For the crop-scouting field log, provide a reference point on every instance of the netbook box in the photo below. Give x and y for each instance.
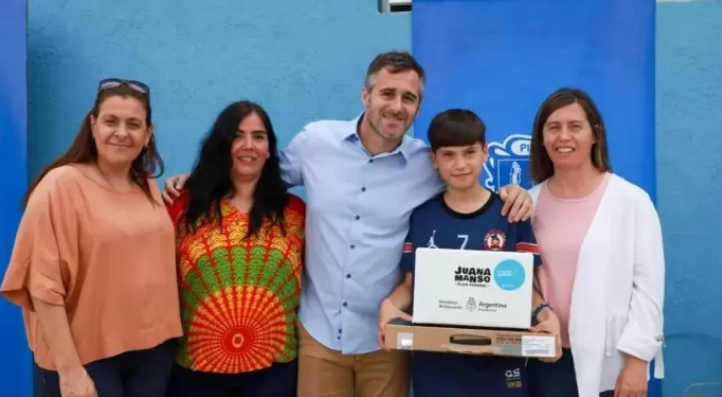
(473, 288)
(472, 302)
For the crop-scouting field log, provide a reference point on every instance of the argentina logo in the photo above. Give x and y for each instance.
(508, 163)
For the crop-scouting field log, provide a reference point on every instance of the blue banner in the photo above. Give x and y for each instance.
(15, 366)
(502, 58)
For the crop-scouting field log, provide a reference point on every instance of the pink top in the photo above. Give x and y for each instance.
(560, 226)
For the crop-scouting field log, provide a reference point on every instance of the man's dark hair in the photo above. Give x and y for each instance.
(456, 127)
(394, 62)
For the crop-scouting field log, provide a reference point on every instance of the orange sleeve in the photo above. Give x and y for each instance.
(45, 254)
(176, 209)
(297, 204)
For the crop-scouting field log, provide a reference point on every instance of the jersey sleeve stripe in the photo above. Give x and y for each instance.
(527, 247)
(408, 248)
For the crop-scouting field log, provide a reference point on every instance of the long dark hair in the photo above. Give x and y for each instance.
(210, 181)
(541, 165)
(83, 150)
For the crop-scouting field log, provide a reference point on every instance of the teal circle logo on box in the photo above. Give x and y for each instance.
(509, 275)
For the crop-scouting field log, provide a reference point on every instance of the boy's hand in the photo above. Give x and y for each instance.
(388, 313)
(517, 203)
(173, 187)
(549, 323)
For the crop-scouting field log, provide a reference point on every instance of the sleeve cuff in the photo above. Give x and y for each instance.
(640, 346)
(45, 289)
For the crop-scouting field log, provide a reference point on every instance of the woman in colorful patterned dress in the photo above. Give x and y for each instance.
(240, 247)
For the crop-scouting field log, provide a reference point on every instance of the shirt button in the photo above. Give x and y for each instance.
(345, 304)
(371, 161)
(338, 337)
(348, 276)
(358, 217)
(353, 246)
(339, 331)
(363, 189)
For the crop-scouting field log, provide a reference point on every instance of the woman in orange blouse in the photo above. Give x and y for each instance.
(93, 266)
(240, 247)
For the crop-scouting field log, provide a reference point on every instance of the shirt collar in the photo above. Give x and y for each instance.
(352, 136)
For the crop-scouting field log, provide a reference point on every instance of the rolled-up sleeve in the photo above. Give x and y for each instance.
(643, 335)
(45, 248)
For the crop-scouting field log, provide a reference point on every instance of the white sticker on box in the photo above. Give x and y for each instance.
(538, 346)
(405, 341)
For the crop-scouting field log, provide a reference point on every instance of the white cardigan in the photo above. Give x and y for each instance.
(618, 296)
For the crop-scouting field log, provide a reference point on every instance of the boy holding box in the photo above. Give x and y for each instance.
(465, 216)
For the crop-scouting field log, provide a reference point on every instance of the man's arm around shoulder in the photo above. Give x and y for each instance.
(291, 158)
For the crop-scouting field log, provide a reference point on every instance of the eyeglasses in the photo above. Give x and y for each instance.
(106, 84)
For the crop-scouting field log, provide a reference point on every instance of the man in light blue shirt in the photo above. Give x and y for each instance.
(363, 178)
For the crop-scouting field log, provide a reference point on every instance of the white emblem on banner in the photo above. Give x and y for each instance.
(508, 163)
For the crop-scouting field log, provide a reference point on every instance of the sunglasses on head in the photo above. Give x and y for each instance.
(133, 84)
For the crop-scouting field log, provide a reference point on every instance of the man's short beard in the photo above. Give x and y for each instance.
(378, 131)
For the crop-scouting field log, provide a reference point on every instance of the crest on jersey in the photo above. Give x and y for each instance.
(495, 240)
(508, 163)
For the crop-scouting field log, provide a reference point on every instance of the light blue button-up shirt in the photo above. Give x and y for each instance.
(358, 209)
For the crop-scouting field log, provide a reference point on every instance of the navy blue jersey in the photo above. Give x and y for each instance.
(435, 225)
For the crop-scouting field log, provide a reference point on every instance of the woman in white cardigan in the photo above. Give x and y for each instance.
(601, 244)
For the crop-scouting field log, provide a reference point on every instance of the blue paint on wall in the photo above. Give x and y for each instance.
(306, 59)
(15, 373)
(301, 59)
(689, 143)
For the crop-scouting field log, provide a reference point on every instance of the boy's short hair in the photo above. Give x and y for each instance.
(456, 127)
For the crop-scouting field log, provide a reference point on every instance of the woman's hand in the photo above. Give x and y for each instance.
(74, 379)
(632, 381)
(76, 382)
(173, 187)
(388, 312)
(549, 323)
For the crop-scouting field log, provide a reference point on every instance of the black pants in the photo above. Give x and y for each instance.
(555, 379)
(277, 381)
(142, 373)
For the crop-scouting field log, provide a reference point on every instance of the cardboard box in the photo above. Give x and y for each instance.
(470, 341)
(491, 289)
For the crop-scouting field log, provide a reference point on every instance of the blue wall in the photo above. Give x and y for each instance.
(306, 59)
(301, 59)
(689, 143)
(13, 179)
